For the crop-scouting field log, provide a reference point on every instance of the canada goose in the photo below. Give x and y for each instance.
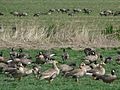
(98, 70)
(92, 57)
(21, 54)
(48, 55)
(13, 53)
(19, 72)
(108, 78)
(87, 51)
(40, 59)
(65, 55)
(76, 73)
(16, 73)
(50, 74)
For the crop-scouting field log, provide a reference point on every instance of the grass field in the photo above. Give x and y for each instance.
(62, 83)
(57, 29)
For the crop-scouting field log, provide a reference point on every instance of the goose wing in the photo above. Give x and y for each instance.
(47, 74)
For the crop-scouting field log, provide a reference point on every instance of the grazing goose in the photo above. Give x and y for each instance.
(50, 74)
(77, 73)
(65, 55)
(108, 78)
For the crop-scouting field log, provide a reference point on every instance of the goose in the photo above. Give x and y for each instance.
(87, 51)
(64, 68)
(98, 70)
(65, 55)
(21, 54)
(36, 71)
(13, 53)
(107, 78)
(3, 66)
(50, 74)
(40, 59)
(77, 73)
(92, 57)
(88, 67)
(18, 72)
(106, 59)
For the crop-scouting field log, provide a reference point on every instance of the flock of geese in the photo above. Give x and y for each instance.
(93, 65)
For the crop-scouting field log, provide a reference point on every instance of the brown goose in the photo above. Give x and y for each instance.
(50, 74)
(77, 73)
(64, 68)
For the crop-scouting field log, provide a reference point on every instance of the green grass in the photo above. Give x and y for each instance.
(33, 6)
(37, 29)
(60, 82)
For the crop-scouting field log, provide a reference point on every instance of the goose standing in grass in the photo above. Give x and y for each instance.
(107, 78)
(77, 73)
(50, 74)
(64, 68)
